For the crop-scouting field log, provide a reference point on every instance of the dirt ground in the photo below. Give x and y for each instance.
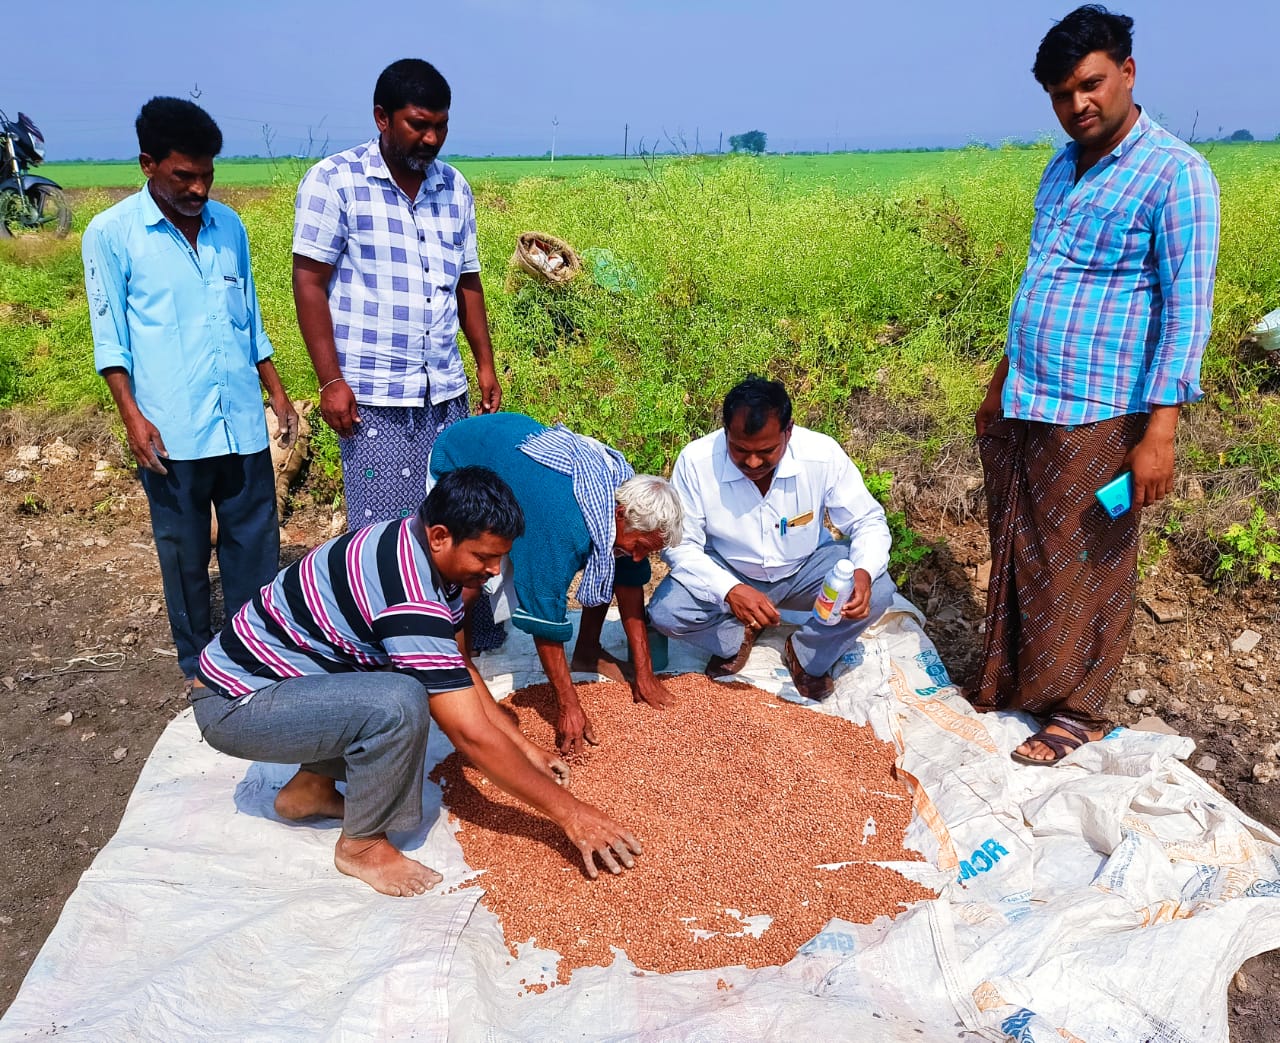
(88, 680)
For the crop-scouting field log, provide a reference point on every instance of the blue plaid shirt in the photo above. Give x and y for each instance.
(396, 262)
(1112, 316)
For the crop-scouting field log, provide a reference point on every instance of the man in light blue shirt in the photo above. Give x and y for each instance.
(178, 337)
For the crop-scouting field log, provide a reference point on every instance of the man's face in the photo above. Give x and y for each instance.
(468, 563)
(630, 543)
(756, 455)
(412, 137)
(1093, 104)
(179, 183)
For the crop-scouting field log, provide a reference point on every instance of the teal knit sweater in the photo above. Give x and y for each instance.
(555, 545)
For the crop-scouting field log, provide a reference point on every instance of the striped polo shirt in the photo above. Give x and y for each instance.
(369, 600)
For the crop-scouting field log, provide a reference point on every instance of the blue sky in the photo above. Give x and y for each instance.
(812, 75)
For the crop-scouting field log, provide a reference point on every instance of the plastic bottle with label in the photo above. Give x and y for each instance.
(837, 588)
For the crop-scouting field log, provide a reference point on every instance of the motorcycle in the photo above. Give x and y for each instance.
(28, 202)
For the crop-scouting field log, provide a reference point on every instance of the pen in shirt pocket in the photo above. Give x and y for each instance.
(791, 523)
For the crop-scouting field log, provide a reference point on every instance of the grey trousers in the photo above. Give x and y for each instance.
(713, 627)
(367, 729)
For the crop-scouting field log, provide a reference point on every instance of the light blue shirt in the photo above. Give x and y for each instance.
(183, 323)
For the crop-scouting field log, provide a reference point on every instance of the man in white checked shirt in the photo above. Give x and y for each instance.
(385, 272)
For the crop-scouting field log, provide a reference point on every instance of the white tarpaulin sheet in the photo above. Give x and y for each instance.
(1108, 899)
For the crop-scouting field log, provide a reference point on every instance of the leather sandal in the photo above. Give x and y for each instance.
(1061, 745)
(807, 684)
(719, 666)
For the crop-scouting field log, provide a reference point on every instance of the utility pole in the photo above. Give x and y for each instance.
(555, 122)
(720, 147)
(626, 127)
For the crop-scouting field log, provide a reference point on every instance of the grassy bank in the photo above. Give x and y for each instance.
(882, 308)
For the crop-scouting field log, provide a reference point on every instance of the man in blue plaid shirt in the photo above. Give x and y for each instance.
(1104, 345)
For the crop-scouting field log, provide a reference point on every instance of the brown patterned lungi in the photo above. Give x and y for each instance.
(1063, 572)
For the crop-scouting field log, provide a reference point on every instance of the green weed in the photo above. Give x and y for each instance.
(876, 287)
(1248, 551)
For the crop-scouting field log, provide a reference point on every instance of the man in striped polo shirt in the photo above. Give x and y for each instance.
(1105, 339)
(340, 664)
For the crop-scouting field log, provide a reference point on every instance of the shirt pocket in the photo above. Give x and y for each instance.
(237, 305)
(1100, 238)
(450, 259)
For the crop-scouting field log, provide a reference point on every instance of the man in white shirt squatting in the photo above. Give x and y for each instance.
(755, 494)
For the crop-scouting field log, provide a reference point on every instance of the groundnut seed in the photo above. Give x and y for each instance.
(737, 797)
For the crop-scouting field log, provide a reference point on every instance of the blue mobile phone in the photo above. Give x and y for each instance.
(1116, 496)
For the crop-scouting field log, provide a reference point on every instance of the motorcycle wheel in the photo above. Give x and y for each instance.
(52, 214)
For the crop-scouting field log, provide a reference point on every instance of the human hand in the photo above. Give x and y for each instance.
(490, 389)
(572, 730)
(751, 607)
(1151, 462)
(548, 764)
(286, 421)
(338, 408)
(652, 691)
(596, 835)
(988, 411)
(859, 603)
(146, 444)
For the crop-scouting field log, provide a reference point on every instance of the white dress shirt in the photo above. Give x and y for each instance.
(724, 512)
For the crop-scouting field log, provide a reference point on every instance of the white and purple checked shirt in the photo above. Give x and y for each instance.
(396, 262)
(1112, 316)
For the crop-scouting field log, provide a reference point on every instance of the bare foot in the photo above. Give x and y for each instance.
(308, 795)
(382, 867)
(600, 662)
(1038, 751)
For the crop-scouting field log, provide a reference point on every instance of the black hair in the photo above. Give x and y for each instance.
(470, 502)
(1085, 30)
(411, 81)
(167, 125)
(761, 398)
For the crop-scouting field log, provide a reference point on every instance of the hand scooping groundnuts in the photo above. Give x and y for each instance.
(596, 835)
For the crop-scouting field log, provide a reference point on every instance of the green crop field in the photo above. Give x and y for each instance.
(876, 285)
(863, 169)
(851, 171)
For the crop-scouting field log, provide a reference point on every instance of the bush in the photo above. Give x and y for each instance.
(882, 309)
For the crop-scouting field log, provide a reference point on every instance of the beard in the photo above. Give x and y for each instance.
(417, 160)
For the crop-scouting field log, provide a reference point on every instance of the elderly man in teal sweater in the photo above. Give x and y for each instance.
(585, 509)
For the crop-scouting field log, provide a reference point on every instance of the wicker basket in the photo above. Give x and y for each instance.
(545, 258)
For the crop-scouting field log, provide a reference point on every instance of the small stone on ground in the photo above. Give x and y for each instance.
(1246, 642)
(1165, 611)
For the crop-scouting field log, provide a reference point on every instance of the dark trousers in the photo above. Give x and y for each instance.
(242, 491)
